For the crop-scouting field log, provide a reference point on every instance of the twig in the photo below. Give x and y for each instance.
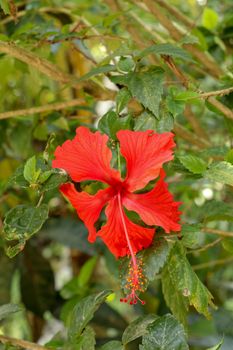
(206, 60)
(212, 263)
(217, 232)
(190, 137)
(21, 343)
(216, 93)
(46, 108)
(205, 247)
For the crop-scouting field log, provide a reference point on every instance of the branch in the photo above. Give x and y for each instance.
(213, 263)
(207, 61)
(217, 232)
(41, 64)
(47, 108)
(21, 343)
(190, 137)
(205, 247)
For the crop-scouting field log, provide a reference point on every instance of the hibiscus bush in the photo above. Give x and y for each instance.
(116, 175)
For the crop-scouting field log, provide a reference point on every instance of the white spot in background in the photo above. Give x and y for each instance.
(208, 193)
(202, 2)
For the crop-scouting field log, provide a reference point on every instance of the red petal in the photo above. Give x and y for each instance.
(156, 207)
(145, 152)
(113, 233)
(87, 206)
(86, 157)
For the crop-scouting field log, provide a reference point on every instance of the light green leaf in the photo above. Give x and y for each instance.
(229, 157)
(192, 236)
(187, 282)
(218, 346)
(166, 49)
(83, 313)
(227, 244)
(165, 333)
(194, 164)
(112, 345)
(137, 328)
(220, 172)
(186, 96)
(4, 4)
(209, 18)
(8, 309)
(122, 98)
(30, 173)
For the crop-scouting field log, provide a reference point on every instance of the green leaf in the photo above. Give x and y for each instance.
(220, 172)
(4, 4)
(84, 312)
(96, 71)
(229, 157)
(30, 173)
(192, 235)
(85, 341)
(176, 302)
(187, 282)
(145, 121)
(209, 18)
(110, 124)
(137, 328)
(122, 98)
(8, 309)
(21, 223)
(18, 179)
(55, 179)
(112, 345)
(154, 257)
(165, 333)
(218, 346)
(186, 96)
(126, 64)
(194, 164)
(166, 49)
(227, 244)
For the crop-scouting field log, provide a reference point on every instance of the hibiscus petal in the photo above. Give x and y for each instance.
(86, 157)
(156, 207)
(113, 233)
(88, 206)
(145, 152)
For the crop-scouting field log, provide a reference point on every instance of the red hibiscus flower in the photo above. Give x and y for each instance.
(87, 157)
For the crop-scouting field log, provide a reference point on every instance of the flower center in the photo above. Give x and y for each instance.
(135, 270)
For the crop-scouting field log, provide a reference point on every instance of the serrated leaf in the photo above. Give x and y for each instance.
(83, 313)
(194, 164)
(112, 345)
(23, 221)
(145, 121)
(8, 309)
(220, 172)
(137, 328)
(176, 302)
(166, 49)
(192, 236)
(165, 333)
(17, 179)
(111, 123)
(30, 173)
(187, 282)
(85, 341)
(122, 98)
(126, 64)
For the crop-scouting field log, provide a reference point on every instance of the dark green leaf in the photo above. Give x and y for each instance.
(84, 312)
(85, 341)
(18, 179)
(126, 64)
(137, 328)
(192, 235)
(56, 178)
(111, 123)
(165, 333)
(194, 164)
(186, 281)
(168, 50)
(145, 121)
(8, 309)
(227, 244)
(122, 98)
(220, 172)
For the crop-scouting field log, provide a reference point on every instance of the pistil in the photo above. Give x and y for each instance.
(135, 276)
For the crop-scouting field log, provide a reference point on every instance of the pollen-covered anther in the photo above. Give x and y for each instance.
(135, 282)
